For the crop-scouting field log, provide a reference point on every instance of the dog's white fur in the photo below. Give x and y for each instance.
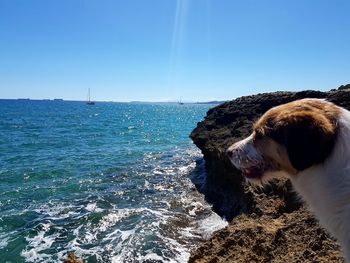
(325, 187)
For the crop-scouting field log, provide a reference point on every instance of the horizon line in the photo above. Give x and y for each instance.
(114, 101)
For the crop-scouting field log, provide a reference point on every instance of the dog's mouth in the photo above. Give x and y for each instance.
(253, 172)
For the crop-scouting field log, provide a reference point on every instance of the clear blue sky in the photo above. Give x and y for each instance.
(156, 50)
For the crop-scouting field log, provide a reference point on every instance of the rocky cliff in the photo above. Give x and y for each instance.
(268, 224)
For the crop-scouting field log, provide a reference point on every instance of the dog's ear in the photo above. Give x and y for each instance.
(309, 138)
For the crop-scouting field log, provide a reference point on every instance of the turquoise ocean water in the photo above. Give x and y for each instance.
(110, 182)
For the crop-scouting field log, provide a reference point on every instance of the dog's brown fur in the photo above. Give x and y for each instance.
(298, 134)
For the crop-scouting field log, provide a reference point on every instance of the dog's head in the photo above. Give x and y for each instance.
(287, 139)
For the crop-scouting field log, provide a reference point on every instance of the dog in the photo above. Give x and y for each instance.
(308, 141)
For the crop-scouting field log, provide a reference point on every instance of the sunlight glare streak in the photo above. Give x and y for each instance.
(178, 36)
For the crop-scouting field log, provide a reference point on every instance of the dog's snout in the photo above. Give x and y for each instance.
(234, 154)
(243, 154)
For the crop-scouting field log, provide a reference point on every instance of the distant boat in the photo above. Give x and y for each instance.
(89, 102)
(180, 102)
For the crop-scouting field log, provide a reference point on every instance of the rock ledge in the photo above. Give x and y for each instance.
(268, 224)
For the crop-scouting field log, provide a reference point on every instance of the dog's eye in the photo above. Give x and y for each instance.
(257, 138)
(257, 135)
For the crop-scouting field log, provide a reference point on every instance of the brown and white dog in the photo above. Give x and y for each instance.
(308, 141)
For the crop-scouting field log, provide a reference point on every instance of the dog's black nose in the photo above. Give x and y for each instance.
(229, 152)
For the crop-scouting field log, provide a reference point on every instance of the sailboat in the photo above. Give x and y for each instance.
(89, 102)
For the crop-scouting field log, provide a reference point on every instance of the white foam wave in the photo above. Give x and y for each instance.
(209, 225)
(150, 256)
(92, 207)
(37, 244)
(111, 219)
(3, 241)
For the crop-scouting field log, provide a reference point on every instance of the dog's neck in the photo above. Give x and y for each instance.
(326, 187)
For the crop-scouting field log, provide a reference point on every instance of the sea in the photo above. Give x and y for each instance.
(111, 182)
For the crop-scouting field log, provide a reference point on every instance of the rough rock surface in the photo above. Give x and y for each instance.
(268, 224)
(72, 258)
